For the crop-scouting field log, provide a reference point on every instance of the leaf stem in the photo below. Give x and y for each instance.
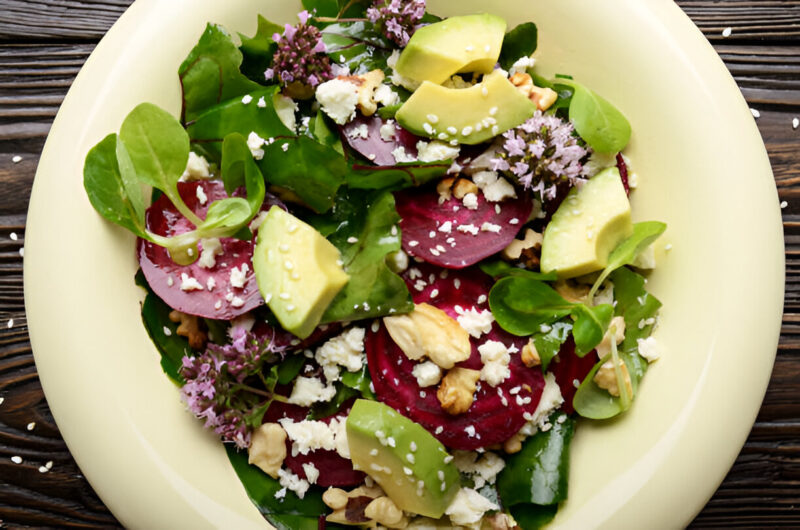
(624, 396)
(177, 201)
(337, 19)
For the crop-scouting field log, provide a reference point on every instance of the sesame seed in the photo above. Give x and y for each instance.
(452, 130)
(13, 236)
(439, 430)
(10, 323)
(394, 230)
(43, 469)
(31, 426)
(484, 91)
(795, 123)
(291, 228)
(434, 293)
(261, 103)
(492, 111)
(283, 296)
(432, 234)
(727, 32)
(469, 48)
(487, 48)
(668, 246)
(49, 464)
(288, 264)
(167, 331)
(495, 130)
(440, 474)
(413, 244)
(448, 459)
(410, 458)
(285, 147)
(407, 470)
(290, 307)
(170, 281)
(22, 252)
(352, 240)
(466, 131)
(16, 459)
(427, 127)
(16, 159)
(457, 283)
(412, 446)
(481, 298)
(247, 99)
(433, 118)
(442, 136)
(756, 114)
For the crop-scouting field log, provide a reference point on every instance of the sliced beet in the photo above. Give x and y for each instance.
(451, 235)
(568, 368)
(373, 147)
(623, 172)
(165, 276)
(496, 414)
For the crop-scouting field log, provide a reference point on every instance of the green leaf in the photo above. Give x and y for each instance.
(357, 45)
(258, 50)
(548, 344)
(597, 121)
(533, 516)
(311, 170)
(498, 269)
(155, 316)
(158, 147)
(239, 169)
(289, 368)
(625, 253)
(107, 191)
(323, 410)
(323, 133)
(359, 381)
(210, 73)
(521, 305)
(130, 181)
(538, 473)
(395, 177)
(590, 325)
(225, 216)
(369, 217)
(233, 116)
(519, 42)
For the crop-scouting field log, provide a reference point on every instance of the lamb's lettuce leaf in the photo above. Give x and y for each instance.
(597, 121)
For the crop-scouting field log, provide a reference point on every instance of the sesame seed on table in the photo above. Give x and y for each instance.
(43, 44)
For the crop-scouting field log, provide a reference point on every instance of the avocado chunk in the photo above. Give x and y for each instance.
(587, 226)
(411, 466)
(469, 43)
(467, 115)
(297, 270)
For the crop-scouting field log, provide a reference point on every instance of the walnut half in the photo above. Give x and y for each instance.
(457, 391)
(429, 331)
(189, 327)
(268, 448)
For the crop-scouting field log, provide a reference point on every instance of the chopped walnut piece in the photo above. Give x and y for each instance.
(457, 390)
(350, 507)
(335, 498)
(190, 328)
(513, 444)
(366, 83)
(444, 188)
(571, 291)
(500, 521)
(543, 98)
(532, 240)
(384, 511)
(268, 448)
(429, 331)
(464, 186)
(606, 377)
(530, 356)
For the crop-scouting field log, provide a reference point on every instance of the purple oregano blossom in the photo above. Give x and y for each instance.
(300, 64)
(218, 389)
(541, 153)
(398, 18)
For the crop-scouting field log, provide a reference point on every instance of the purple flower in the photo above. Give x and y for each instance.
(301, 62)
(397, 18)
(542, 153)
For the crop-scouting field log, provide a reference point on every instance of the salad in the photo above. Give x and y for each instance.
(387, 263)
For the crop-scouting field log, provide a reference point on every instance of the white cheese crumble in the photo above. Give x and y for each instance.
(482, 469)
(490, 227)
(521, 65)
(312, 473)
(291, 481)
(470, 201)
(255, 143)
(474, 322)
(345, 350)
(649, 349)
(400, 155)
(427, 373)
(495, 358)
(360, 131)
(197, 168)
(310, 435)
(211, 248)
(468, 507)
(433, 151)
(308, 390)
(398, 79)
(385, 96)
(387, 131)
(190, 283)
(338, 99)
(239, 275)
(202, 198)
(494, 188)
(551, 400)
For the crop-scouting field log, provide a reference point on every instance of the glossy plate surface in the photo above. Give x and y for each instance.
(702, 168)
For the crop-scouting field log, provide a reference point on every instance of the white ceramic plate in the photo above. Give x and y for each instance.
(702, 168)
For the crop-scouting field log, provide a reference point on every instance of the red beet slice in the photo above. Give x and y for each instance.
(623, 172)
(497, 413)
(450, 234)
(373, 147)
(567, 368)
(165, 276)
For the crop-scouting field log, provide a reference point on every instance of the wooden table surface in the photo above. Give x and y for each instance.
(43, 44)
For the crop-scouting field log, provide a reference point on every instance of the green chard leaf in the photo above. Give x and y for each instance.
(521, 305)
(359, 381)
(519, 42)
(289, 368)
(112, 195)
(597, 121)
(334, 8)
(590, 325)
(210, 73)
(538, 473)
(234, 116)
(548, 343)
(533, 516)
(498, 269)
(370, 218)
(329, 408)
(395, 177)
(257, 51)
(357, 45)
(324, 134)
(625, 253)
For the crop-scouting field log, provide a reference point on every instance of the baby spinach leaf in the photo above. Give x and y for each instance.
(538, 473)
(210, 73)
(359, 381)
(239, 169)
(500, 268)
(625, 253)
(366, 231)
(533, 516)
(520, 305)
(519, 42)
(233, 116)
(258, 50)
(108, 191)
(395, 177)
(311, 170)
(597, 121)
(158, 148)
(590, 325)
(548, 343)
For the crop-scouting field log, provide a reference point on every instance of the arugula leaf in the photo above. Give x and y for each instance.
(158, 148)
(597, 121)
(233, 116)
(395, 177)
(519, 42)
(258, 50)
(357, 45)
(538, 473)
(210, 73)
(239, 169)
(112, 196)
(590, 325)
(500, 268)
(625, 253)
(521, 305)
(311, 170)
(548, 343)
(370, 218)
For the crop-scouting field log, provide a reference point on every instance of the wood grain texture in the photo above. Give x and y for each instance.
(43, 44)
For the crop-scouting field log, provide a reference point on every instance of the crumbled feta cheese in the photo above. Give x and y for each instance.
(338, 99)
(360, 131)
(474, 322)
(311, 471)
(387, 131)
(468, 507)
(427, 373)
(433, 151)
(197, 168)
(239, 275)
(468, 229)
(649, 348)
(291, 481)
(397, 261)
(211, 248)
(255, 143)
(521, 65)
(202, 198)
(343, 350)
(385, 96)
(470, 201)
(482, 469)
(261, 103)
(495, 358)
(308, 390)
(310, 435)
(190, 283)
(550, 400)
(400, 155)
